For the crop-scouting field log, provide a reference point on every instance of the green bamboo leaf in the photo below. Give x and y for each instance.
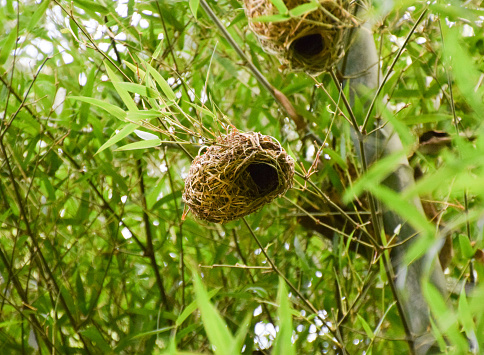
(426, 118)
(158, 49)
(241, 334)
(445, 318)
(194, 7)
(87, 92)
(374, 175)
(91, 6)
(112, 109)
(92, 333)
(366, 327)
(138, 89)
(38, 14)
(161, 82)
(125, 131)
(464, 70)
(465, 315)
(304, 9)
(407, 210)
(271, 18)
(465, 246)
(215, 327)
(281, 6)
(135, 116)
(192, 306)
(122, 92)
(283, 344)
(135, 69)
(8, 46)
(150, 143)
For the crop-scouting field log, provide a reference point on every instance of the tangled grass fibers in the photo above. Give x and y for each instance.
(237, 176)
(312, 42)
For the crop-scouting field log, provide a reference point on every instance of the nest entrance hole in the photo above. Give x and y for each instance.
(264, 176)
(309, 45)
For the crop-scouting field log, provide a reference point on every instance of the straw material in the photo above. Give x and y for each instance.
(236, 176)
(313, 42)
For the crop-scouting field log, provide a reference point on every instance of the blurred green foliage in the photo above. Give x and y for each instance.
(103, 105)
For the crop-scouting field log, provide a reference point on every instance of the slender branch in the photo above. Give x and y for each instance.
(339, 343)
(387, 75)
(281, 99)
(9, 123)
(91, 41)
(149, 250)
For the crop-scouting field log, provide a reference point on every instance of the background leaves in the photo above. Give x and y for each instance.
(93, 244)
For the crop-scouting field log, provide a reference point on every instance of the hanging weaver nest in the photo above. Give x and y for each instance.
(237, 176)
(312, 42)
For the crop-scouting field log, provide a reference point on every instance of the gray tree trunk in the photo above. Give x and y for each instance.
(363, 69)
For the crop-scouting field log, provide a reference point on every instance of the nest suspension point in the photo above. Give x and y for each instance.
(313, 42)
(236, 176)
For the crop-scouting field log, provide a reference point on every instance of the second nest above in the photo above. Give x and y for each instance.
(312, 42)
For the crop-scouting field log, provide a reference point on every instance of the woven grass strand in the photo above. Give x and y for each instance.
(237, 176)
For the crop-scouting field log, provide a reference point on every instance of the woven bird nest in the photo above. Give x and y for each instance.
(236, 176)
(313, 42)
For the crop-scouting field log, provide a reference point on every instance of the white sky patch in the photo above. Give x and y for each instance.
(122, 8)
(100, 32)
(124, 199)
(420, 40)
(163, 167)
(161, 36)
(467, 31)
(135, 19)
(31, 51)
(120, 36)
(90, 25)
(45, 46)
(126, 233)
(257, 311)
(265, 333)
(82, 79)
(203, 97)
(67, 58)
(58, 104)
(145, 135)
(103, 46)
(144, 24)
(310, 152)
(191, 94)
(449, 23)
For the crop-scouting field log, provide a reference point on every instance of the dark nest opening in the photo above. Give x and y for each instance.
(309, 45)
(236, 176)
(264, 176)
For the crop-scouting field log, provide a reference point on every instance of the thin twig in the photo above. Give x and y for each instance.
(149, 251)
(281, 99)
(335, 332)
(387, 75)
